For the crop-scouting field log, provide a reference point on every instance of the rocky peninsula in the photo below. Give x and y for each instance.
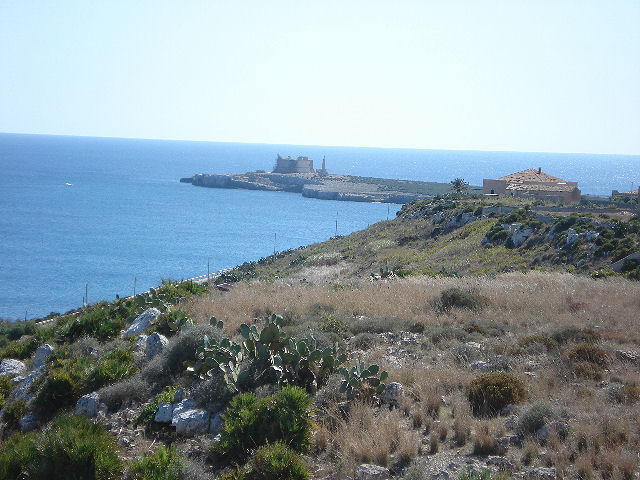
(325, 187)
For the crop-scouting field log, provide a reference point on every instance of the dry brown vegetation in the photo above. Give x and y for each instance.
(539, 326)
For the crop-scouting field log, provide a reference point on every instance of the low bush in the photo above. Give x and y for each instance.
(534, 418)
(587, 370)
(493, 391)
(574, 334)
(69, 448)
(135, 388)
(62, 385)
(548, 342)
(586, 352)
(376, 325)
(250, 422)
(6, 386)
(13, 412)
(484, 443)
(170, 323)
(276, 462)
(163, 464)
(114, 366)
(363, 341)
(455, 297)
(102, 321)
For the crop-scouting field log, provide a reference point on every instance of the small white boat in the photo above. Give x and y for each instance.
(68, 184)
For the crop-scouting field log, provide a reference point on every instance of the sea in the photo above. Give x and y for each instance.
(107, 215)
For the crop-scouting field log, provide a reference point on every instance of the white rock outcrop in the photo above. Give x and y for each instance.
(42, 353)
(10, 367)
(21, 392)
(164, 413)
(371, 472)
(392, 394)
(143, 322)
(191, 422)
(89, 405)
(155, 344)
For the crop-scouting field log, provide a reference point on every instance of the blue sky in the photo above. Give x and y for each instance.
(557, 76)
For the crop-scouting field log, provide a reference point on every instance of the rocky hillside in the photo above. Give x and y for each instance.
(377, 355)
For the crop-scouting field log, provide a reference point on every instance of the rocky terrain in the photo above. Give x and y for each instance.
(460, 340)
(326, 187)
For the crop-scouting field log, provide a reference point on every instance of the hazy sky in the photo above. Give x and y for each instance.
(558, 76)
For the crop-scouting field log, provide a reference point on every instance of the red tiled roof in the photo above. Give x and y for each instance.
(539, 187)
(531, 175)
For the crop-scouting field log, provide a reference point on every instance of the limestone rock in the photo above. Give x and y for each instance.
(155, 344)
(22, 390)
(572, 236)
(42, 353)
(191, 422)
(628, 356)
(542, 474)
(141, 344)
(392, 394)
(10, 367)
(184, 405)
(371, 472)
(164, 413)
(88, 405)
(29, 422)
(142, 323)
(216, 423)
(179, 396)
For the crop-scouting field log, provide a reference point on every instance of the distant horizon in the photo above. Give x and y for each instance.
(324, 144)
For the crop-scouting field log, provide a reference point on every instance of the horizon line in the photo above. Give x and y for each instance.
(315, 145)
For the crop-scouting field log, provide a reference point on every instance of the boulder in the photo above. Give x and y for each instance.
(29, 422)
(22, 390)
(392, 394)
(11, 367)
(179, 396)
(155, 344)
(371, 472)
(164, 413)
(572, 236)
(42, 353)
(88, 405)
(184, 405)
(141, 344)
(191, 422)
(542, 473)
(142, 323)
(216, 423)
(628, 356)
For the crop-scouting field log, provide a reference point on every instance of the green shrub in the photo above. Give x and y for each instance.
(574, 334)
(586, 352)
(171, 323)
(251, 422)
(548, 342)
(163, 464)
(16, 452)
(13, 412)
(114, 366)
(103, 321)
(493, 391)
(20, 349)
(363, 341)
(276, 462)
(68, 448)
(175, 290)
(6, 386)
(331, 323)
(588, 370)
(15, 330)
(454, 297)
(534, 418)
(63, 384)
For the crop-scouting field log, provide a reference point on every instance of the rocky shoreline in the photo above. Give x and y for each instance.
(326, 187)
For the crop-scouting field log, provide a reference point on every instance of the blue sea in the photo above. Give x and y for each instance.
(127, 218)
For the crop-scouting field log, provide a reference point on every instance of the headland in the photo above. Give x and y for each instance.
(299, 176)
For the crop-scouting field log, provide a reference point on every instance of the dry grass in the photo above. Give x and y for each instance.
(369, 436)
(604, 425)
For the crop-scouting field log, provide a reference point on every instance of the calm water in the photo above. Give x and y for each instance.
(127, 215)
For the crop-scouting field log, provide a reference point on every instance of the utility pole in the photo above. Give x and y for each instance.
(388, 211)
(86, 293)
(275, 239)
(135, 280)
(336, 224)
(208, 262)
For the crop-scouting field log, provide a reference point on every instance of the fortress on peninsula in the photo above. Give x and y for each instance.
(298, 165)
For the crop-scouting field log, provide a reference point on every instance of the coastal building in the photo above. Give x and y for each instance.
(322, 171)
(533, 182)
(290, 165)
